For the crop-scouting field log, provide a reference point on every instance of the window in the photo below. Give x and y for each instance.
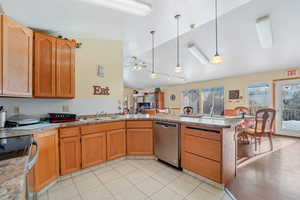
(213, 97)
(191, 98)
(259, 97)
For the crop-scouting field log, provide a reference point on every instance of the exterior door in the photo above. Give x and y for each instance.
(288, 107)
(65, 69)
(93, 149)
(17, 58)
(116, 144)
(44, 65)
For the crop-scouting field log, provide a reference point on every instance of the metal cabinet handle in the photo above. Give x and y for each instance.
(34, 158)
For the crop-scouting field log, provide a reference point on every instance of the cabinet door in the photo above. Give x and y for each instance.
(17, 59)
(93, 149)
(46, 168)
(139, 142)
(160, 100)
(116, 144)
(44, 65)
(65, 68)
(70, 155)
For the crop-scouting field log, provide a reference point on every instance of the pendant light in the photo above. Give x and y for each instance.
(153, 75)
(178, 67)
(217, 59)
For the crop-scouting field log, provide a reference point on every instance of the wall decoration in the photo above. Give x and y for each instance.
(100, 71)
(234, 94)
(292, 72)
(98, 90)
(172, 97)
(191, 98)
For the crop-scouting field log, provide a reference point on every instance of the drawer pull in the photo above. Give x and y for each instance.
(202, 129)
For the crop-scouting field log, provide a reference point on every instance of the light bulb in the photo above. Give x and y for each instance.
(178, 69)
(217, 59)
(153, 75)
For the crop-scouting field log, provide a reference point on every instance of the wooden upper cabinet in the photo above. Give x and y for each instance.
(93, 149)
(17, 43)
(160, 100)
(46, 169)
(116, 144)
(65, 68)
(70, 155)
(44, 65)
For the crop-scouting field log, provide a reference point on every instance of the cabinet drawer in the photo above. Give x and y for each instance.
(203, 147)
(69, 132)
(96, 128)
(139, 124)
(199, 131)
(202, 166)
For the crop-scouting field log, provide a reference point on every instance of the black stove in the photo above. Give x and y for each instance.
(13, 147)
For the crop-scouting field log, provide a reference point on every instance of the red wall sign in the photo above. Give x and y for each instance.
(292, 72)
(98, 90)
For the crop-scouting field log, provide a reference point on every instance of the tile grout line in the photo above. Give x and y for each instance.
(113, 196)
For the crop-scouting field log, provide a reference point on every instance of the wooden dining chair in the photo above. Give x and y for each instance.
(263, 126)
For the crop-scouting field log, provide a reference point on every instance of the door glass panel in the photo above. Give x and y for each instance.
(290, 107)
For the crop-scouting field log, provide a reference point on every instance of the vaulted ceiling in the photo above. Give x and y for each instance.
(238, 39)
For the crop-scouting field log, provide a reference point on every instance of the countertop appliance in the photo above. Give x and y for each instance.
(61, 117)
(21, 120)
(167, 142)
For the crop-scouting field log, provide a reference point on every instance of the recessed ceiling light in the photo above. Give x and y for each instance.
(264, 31)
(134, 7)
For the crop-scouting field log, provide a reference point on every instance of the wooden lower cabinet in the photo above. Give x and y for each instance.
(70, 155)
(46, 169)
(93, 149)
(116, 144)
(139, 142)
(205, 167)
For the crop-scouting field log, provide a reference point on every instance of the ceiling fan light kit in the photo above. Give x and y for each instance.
(134, 7)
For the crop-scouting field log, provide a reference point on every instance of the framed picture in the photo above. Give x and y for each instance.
(234, 94)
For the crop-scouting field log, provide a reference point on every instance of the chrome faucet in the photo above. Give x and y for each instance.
(211, 114)
(99, 114)
(212, 107)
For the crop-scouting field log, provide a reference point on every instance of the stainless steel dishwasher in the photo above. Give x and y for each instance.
(167, 142)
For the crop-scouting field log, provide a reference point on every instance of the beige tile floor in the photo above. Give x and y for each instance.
(132, 180)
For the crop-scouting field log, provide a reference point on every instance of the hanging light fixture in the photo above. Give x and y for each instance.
(217, 59)
(178, 67)
(153, 75)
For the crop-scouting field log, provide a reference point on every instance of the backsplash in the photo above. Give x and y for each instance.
(40, 107)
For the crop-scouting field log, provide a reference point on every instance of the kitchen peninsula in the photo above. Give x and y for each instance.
(207, 147)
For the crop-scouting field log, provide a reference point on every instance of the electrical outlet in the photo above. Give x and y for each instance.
(65, 108)
(17, 110)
